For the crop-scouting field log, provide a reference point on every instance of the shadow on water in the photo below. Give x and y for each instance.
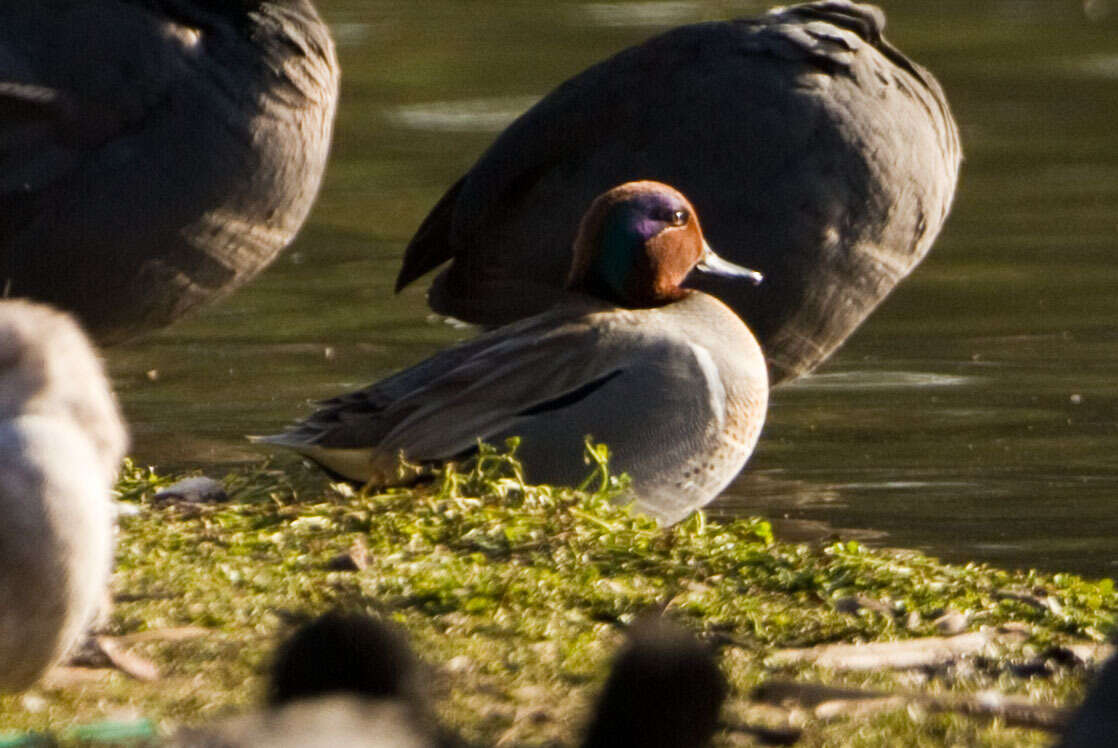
(974, 416)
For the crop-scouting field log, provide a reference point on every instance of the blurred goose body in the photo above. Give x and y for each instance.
(815, 151)
(156, 154)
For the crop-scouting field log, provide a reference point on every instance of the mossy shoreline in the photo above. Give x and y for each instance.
(516, 597)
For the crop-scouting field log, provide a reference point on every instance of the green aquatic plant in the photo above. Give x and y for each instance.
(517, 595)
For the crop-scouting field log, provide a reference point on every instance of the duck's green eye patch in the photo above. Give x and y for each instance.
(679, 217)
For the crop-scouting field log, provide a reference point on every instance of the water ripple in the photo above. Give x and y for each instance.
(875, 380)
(1099, 66)
(470, 115)
(638, 14)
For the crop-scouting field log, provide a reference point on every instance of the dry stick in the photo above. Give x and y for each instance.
(825, 700)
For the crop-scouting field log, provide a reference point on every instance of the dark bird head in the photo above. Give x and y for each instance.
(638, 242)
(665, 691)
(343, 652)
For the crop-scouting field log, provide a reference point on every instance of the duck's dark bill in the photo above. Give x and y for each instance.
(715, 265)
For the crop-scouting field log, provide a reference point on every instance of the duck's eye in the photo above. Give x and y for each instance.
(678, 217)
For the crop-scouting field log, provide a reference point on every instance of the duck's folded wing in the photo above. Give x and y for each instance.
(441, 407)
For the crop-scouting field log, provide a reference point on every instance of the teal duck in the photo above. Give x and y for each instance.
(156, 153)
(815, 151)
(61, 442)
(669, 378)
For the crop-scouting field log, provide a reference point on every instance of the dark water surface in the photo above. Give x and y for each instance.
(974, 416)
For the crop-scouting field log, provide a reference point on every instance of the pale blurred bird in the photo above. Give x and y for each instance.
(61, 442)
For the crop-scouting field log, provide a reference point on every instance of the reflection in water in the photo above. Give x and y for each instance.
(869, 380)
(1104, 66)
(639, 13)
(477, 115)
(1097, 10)
(974, 416)
(350, 34)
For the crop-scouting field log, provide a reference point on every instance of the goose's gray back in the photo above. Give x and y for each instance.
(156, 154)
(815, 151)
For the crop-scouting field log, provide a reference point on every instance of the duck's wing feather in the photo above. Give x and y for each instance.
(440, 408)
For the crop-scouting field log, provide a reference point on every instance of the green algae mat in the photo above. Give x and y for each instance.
(516, 597)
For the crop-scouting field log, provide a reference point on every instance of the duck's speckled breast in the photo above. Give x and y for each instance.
(740, 367)
(693, 428)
